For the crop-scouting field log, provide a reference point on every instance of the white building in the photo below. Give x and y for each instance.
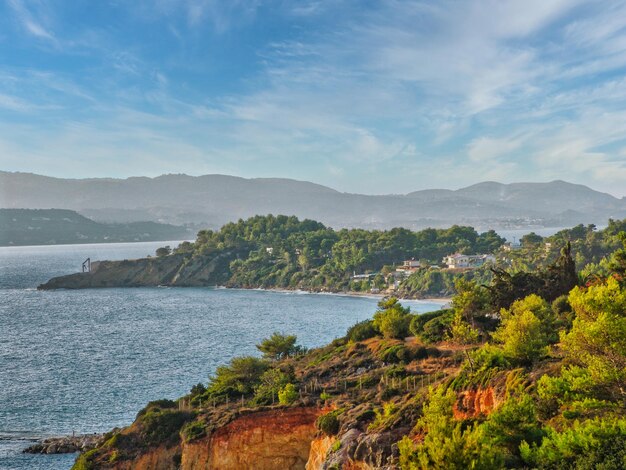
(458, 260)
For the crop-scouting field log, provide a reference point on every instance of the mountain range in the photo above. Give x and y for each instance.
(210, 201)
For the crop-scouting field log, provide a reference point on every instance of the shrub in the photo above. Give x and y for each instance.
(392, 320)
(288, 394)
(597, 339)
(271, 382)
(448, 443)
(157, 405)
(162, 426)
(398, 353)
(524, 336)
(329, 423)
(241, 376)
(163, 251)
(437, 328)
(418, 321)
(193, 430)
(590, 444)
(361, 331)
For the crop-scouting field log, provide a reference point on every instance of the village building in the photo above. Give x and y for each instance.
(409, 266)
(460, 261)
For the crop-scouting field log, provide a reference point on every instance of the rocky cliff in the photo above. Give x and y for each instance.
(368, 402)
(173, 270)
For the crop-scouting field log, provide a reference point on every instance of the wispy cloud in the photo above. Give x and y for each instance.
(29, 22)
(365, 98)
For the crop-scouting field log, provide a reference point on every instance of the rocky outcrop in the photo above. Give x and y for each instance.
(476, 403)
(318, 452)
(265, 440)
(173, 270)
(161, 458)
(65, 444)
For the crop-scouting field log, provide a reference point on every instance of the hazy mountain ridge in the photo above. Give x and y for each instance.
(62, 226)
(212, 200)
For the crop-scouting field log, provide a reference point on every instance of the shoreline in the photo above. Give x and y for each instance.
(381, 295)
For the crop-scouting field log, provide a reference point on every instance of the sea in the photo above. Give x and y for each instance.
(86, 361)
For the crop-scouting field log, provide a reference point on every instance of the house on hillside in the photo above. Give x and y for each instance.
(459, 261)
(409, 266)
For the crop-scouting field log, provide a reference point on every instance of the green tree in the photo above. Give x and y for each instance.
(278, 346)
(163, 251)
(392, 319)
(288, 394)
(523, 335)
(597, 339)
(270, 383)
(241, 376)
(447, 444)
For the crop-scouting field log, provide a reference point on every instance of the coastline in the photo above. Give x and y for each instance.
(440, 300)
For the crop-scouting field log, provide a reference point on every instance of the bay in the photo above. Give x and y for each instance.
(86, 361)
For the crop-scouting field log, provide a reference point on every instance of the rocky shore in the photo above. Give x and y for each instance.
(65, 444)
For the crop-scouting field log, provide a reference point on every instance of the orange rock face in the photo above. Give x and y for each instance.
(266, 440)
(158, 459)
(318, 451)
(474, 403)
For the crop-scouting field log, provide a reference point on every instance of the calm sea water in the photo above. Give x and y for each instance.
(88, 360)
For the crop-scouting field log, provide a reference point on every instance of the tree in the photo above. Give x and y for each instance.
(392, 319)
(448, 444)
(271, 382)
(531, 239)
(523, 334)
(163, 251)
(288, 394)
(278, 346)
(241, 376)
(597, 339)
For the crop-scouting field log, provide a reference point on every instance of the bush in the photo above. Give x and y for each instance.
(437, 328)
(392, 320)
(418, 321)
(270, 384)
(192, 431)
(288, 394)
(398, 353)
(523, 335)
(162, 426)
(329, 423)
(163, 251)
(361, 331)
(157, 405)
(591, 444)
(241, 376)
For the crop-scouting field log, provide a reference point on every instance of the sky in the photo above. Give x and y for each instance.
(363, 96)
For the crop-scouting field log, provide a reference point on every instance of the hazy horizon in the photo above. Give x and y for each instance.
(407, 191)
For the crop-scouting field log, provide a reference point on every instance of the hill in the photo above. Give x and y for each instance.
(519, 375)
(213, 200)
(59, 226)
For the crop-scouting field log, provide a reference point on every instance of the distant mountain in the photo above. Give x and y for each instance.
(212, 200)
(59, 226)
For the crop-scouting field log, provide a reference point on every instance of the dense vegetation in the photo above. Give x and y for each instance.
(284, 252)
(545, 348)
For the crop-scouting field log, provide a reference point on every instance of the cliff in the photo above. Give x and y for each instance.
(369, 398)
(174, 270)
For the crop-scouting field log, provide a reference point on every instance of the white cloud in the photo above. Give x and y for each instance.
(29, 23)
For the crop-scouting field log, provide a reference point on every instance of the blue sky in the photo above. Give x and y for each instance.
(364, 96)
